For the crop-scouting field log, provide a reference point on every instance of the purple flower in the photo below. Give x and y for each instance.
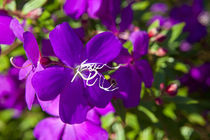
(134, 71)
(78, 82)
(105, 10)
(198, 79)
(94, 8)
(9, 29)
(54, 128)
(6, 34)
(190, 15)
(12, 90)
(31, 66)
(159, 8)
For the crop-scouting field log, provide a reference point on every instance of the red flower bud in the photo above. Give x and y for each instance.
(158, 101)
(171, 89)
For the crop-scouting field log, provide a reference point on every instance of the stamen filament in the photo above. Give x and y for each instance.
(14, 65)
(93, 67)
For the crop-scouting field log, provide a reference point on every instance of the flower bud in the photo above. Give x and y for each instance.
(171, 89)
(162, 86)
(158, 101)
(161, 52)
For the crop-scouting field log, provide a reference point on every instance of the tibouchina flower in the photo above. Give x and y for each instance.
(134, 71)
(159, 8)
(90, 129)
(78, 82)
(105, 10)
(31, 66)
(190, 15)
(94, 8)
(198, 79)
(12, 90)
(9, 29)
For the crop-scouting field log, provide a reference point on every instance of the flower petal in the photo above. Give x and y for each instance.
(85, 131)
(103, 48)
(75, 8)
(126, 18)
(104, 111)
(124, 57)
(145, 71)
(17, 29)
(47, 49)
(93, 117)
(73, 106)
(49, 129)
(50, 82)
(99, 97)
(51, 107)
(93, 7)
(25, 70)
(6, 34)
(66, 44)
(30, 92)
(140, 40)
(130, 88)
(31, 47)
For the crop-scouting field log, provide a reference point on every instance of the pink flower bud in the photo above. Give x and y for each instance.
(161, 52)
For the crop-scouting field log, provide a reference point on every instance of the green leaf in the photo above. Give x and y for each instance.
(152, 116)
(4, 63)
(186, 132)
(169, 111)
(176, 31)
(196, 118)
(119, 108)
(120, 133)
(107, 120)
(32, 5)
(181, 67)
(140, 5)
(11, 6)
(128, 45)
(132, 121)
(147, 134)
(155, 24)
(6, 115)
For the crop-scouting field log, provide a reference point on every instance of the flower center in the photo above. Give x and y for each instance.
(89, 73)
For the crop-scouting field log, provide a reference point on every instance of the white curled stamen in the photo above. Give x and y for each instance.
(92, 69)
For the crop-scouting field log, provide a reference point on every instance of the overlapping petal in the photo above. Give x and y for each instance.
(140, 40)
(73, 106)
(99, 97)
(131, 87)
(50, 82)
(30, 92)
(17, 29)
(25, 70)
(145, 71)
